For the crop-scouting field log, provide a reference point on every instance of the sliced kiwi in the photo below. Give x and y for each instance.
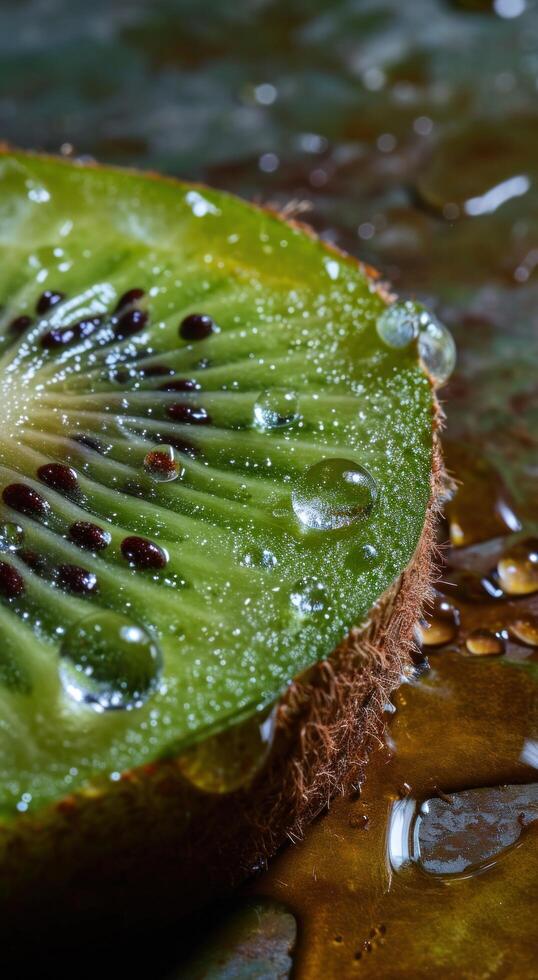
(214, 461)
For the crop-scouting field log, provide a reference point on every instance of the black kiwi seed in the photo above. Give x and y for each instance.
(89, 536)
(38, 563)
(128, 298)
(47, 300)
(59, 476)
(130, 323)
(62, 336)
(143, 553)
(19, 325)
(180, 384)
(11, 581)
(188, 414)
(78, 580)
(25, 500)
(90, 442)
(196, 326)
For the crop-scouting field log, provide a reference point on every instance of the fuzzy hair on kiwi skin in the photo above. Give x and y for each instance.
(151, 845)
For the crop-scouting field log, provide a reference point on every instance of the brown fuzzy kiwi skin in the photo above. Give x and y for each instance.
(151, 846)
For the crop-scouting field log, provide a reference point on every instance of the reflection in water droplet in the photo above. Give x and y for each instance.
(332, 494)
(108, 661)
(161, 464)
(308, 596)
(525, 630)
(484, 643)
(399, 324)
(518, 568)
(225, 762)
(437, 349)
(440, 626)
(11, 536)
(275, 409)
(257, 557)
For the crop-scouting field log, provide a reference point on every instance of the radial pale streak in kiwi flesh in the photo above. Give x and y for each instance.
(210, 466)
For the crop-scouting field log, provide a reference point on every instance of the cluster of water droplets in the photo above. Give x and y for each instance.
(404, 322)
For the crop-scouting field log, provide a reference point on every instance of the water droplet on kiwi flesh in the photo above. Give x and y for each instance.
(109, 662)
(333, 494)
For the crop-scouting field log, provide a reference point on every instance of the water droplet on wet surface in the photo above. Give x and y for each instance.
(518, 568)
(399, 324)
(161, 464)
(11, 536)
(308, 596)
(484, 643)
(109, 662)
(333, 494)
(436, 349)
(225, 762)
(440, 625)
(525, 630)
(276, 409)
(257, 557)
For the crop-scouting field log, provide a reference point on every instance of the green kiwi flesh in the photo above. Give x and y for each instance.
(251, 349)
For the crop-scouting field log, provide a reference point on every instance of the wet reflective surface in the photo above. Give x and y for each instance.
(411, 129)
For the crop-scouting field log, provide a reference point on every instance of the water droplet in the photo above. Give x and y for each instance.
(225, 762)
(275, 409)
(525, 630)
(108, 661)
(332, 494)
(440, 626)
(257, 557)
(11, 536)
(484, 643)
(436, 349)
(399, 323)
(161, 464)
(518, 568)
(308, 596)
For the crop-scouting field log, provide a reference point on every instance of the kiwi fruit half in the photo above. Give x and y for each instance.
(217, 462)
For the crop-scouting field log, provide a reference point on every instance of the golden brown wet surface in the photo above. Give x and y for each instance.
(417, 876)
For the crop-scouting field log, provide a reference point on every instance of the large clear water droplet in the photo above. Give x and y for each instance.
(108, 661)
(399, 324)
(437, 350)
(308, 596)
(11, 536)
(161, 464)
(332, 494)
(223, 763)
(276, 409)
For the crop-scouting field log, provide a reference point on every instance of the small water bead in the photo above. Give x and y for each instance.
(399, 323)
(143, 553)
(47, 300)
(308, 596)
(89, 536)
(471, 587)
(437, 350)
(257, 557)
(25, 500)
(440, 625)
(161, 464)
(11, 581)
(360, 558)
(525, 630)
(109, 662)
(333, 494)
(225, 762)
(11, 536)
(484, 643)
(518, 568)
(196, 326)
(276, 409)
